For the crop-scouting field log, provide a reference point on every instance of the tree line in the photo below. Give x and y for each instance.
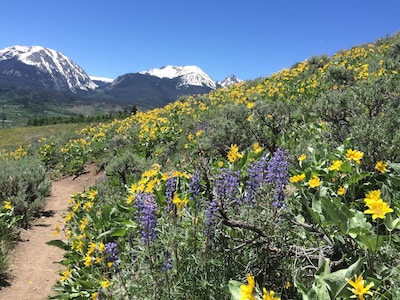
(80, 118)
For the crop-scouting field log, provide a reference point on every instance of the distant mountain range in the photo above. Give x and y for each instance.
(46, 70)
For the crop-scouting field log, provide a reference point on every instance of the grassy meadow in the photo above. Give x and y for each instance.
(284, 187)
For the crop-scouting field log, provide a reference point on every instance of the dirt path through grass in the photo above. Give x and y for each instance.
(33, 263)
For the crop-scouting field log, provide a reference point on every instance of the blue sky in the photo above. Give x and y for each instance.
(250, 39)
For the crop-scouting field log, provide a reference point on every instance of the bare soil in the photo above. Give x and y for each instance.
(34, 265)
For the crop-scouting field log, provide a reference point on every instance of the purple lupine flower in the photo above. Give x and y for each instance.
(255, 178)
(112, 254)
(277, 173)
(226, 186)
(170, 188)
(167, 263)
(194, 185)
(210, 221)
(146, 215)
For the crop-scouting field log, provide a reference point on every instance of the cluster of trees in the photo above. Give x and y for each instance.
(43, 120)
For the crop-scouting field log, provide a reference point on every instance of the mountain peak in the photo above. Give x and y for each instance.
(231, 79)
(189, 75)
(56, 69)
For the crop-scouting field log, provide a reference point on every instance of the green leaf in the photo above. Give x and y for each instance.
(113, 232)
(234, 289)
(59, 243)
(337, 281)
(358, 224)
(357, 177)
(395, 166)
(391, 222)
(335, 214)
(372, 242)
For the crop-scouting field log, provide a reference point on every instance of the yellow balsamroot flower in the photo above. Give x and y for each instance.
(220, 164)
(92, 194)
(87, 261)
(179, 203)
(257, 148)
(7, 205)
(65, 275)
(354, 155)
(341, 191)
(269, 295)
(247, 291)
(372, 196)
(105, 283)
(56, 230)
(302, 157)
(335, 166)
(378, 209)
(314, 182)
(381, 166)
(297, 178)
(250, 105)
(233, 154)
(359, 290)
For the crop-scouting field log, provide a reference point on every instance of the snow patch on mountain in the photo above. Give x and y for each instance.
(62, 69)
(188, 75)
(102, 79)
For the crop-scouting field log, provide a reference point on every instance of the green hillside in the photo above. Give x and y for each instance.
(289, 183)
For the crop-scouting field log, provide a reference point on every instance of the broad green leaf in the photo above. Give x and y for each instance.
(234, 289)
(59, 243)
(357, 177)
(391, 222)
(113, 232)
(337, 281)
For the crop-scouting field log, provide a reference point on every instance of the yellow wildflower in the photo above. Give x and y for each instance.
(257, 148)
(247, 290)
(269, 295)
(92, 194)
(220, 164)
(250, 105)
(65, 275)
(354, 155)
(105, 283)
(302, 157)
(179, 202)
(56, 230)
(87, 260)
(335, 166)
(91, 248)
(378, 209)
(233, 154)
(297, 178)
(101, 247)
(341, 191)
(7, 205)
(359, 290)
(381, 166)
(88, 205)
(314, 182)
(372, 196)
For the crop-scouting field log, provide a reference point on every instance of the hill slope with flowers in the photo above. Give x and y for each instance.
(291, 180)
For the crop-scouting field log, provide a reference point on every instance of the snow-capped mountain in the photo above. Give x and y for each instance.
(37, 68)
(43, 67)
(188, 75)
(231, 79)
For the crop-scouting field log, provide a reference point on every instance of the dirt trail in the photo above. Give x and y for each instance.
(33, 263)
